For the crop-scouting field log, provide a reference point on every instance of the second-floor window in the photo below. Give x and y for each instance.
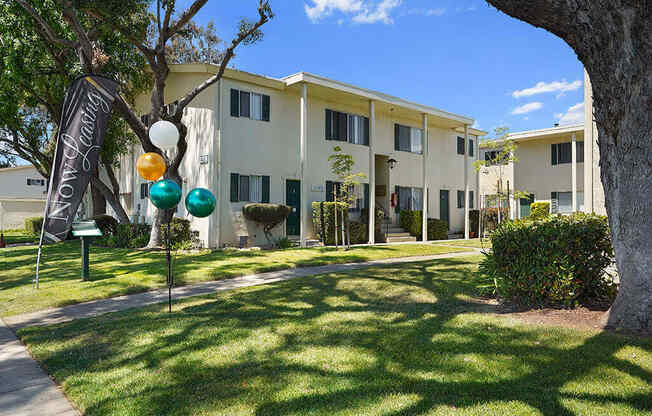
(346, 127)
(35, 182)
(408, 139)
(563, 153)
(250, 105)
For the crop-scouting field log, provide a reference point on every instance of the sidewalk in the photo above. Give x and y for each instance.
(102, 306)
(25, 389)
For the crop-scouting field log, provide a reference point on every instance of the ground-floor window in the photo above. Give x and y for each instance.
(409, 198)
(360, 193)
(249, 188)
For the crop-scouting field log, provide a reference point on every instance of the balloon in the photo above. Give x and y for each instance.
(164, 134)
(151, 166)
(200, 202)
(165, 194)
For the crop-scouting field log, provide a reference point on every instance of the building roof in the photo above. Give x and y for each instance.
(305, 77)
(539, 134)
(19, 167)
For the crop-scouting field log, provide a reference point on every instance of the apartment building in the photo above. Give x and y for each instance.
(22, 194)
(253, 138)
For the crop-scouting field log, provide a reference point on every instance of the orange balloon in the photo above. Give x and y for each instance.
(151, 166)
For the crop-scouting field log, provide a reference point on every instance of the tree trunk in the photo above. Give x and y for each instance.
(613, 39)
(99, 202)
(109, 197)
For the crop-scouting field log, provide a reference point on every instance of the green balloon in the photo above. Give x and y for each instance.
(200, 202)
(165, 194)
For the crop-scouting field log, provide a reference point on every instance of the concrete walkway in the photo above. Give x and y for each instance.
(102, 306)
(25, 389)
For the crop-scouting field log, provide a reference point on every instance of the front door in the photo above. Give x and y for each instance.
(525, 205)
(444, 207)
(293, 200)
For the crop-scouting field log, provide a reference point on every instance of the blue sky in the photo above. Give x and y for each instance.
(461, 56)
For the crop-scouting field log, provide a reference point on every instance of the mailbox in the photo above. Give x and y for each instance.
(85, 230)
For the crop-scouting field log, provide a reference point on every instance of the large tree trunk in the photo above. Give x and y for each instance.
(99, 202)
(613, 39)
(96, 183)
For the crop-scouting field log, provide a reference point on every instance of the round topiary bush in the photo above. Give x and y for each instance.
(268, 215)
(558, 260)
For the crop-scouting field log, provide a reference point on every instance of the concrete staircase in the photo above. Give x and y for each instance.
(395, 234)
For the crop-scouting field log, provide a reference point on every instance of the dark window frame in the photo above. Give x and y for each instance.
(403, 138)
(239, 109)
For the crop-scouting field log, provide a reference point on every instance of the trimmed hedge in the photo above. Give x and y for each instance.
(106, 223)
(127, 236)
(323, 220)
(474, 221)
(539, 210)
(559, 260)
(269, 215)
(179, 231)
(33, 225)
(411, 222)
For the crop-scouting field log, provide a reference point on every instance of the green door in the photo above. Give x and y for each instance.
(293, 200)
(525, 205)
(444, 207)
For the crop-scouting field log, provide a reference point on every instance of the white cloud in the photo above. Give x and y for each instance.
(543, 87)
(574, 115)
(363, 11)
(426, 12)
(527, 108)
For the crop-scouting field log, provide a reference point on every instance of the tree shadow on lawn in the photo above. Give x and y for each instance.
(410, 337)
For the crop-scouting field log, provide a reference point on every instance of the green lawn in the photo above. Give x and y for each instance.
(117, 272)
(474, 242)
(19, 236)
(404, 340)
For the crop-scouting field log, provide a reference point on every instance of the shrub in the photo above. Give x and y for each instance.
(179, 231)
(359, 232)
(268, 215)
(106, 223)
(539, 210)
(559, 260)
(323, 220)
(33, 225)
(474, 221)
(284, 243)
(411, 222)
(127, 236)
(491, 217)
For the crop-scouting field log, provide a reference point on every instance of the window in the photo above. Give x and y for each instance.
(460, 145)
(493, 156)
(460, 199)
(408, 139)
(563, 153)
(471, 199)
(250, 105)
(471, 147)
(409, 198)
(35, 182)
(144, 190)
(561, 202)
(249, 188)
(347, 127)
(361, 194)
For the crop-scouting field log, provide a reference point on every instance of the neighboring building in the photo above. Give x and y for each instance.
(22, 195)
(547, 168)
(245, 136)
(594, 200)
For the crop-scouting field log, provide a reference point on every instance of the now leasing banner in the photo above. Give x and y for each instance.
(86, 111)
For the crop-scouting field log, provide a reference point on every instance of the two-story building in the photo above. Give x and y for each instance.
(22, 194)
(253, 138)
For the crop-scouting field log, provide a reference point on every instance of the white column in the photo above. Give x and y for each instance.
(466, 181)
(424, 173)
(476, 194)
(588, 144)
(303, 211)
(372, 172)
(574, 170)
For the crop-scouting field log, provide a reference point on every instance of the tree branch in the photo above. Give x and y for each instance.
(47, 30)
(264, 16)
(136, 125)
(183, 19)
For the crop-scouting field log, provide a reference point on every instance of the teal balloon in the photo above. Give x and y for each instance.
(200, 202)
(165, 194)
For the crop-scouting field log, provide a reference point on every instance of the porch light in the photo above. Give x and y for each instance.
(392, 163)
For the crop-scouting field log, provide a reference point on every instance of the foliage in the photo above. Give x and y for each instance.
(490, 217)
(268, 215)
(195, 44)
(106, 223)
(411, 221)
(33, 225)
(323, 219)
(559, 260)
(342, 166)
(285, 243)
(359, 232)
(182, 245)
(539, 210)
(378, 223)
(179, 231)
(126, 236)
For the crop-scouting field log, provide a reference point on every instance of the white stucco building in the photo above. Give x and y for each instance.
(253, 138)
(22, 194)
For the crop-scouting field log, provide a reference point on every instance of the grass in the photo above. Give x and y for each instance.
(473, 242)
(117, 272)
(405, 340)
(19, 236)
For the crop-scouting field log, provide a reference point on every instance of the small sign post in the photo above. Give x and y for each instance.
(85, 230)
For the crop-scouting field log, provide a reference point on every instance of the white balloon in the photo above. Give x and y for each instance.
(164, 134)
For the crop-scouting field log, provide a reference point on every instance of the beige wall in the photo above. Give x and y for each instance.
(14, 212)
(13, 183)
(594, 200)
(272, 148)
